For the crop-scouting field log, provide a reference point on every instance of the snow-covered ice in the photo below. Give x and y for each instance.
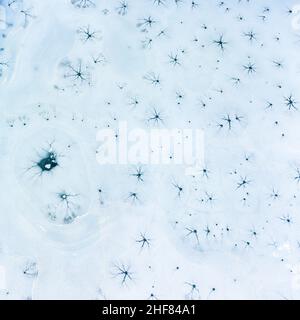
(71, 228)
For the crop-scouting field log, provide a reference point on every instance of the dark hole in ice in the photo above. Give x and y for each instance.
(31, 269)
(49, 162)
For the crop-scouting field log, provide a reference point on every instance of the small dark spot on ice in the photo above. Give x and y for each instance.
(49, 162)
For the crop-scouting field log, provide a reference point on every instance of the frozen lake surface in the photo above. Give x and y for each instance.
(71, 228)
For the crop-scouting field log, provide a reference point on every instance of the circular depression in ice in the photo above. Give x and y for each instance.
(53, 185)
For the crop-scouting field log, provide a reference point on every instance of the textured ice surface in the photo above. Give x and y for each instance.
(71, 228)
